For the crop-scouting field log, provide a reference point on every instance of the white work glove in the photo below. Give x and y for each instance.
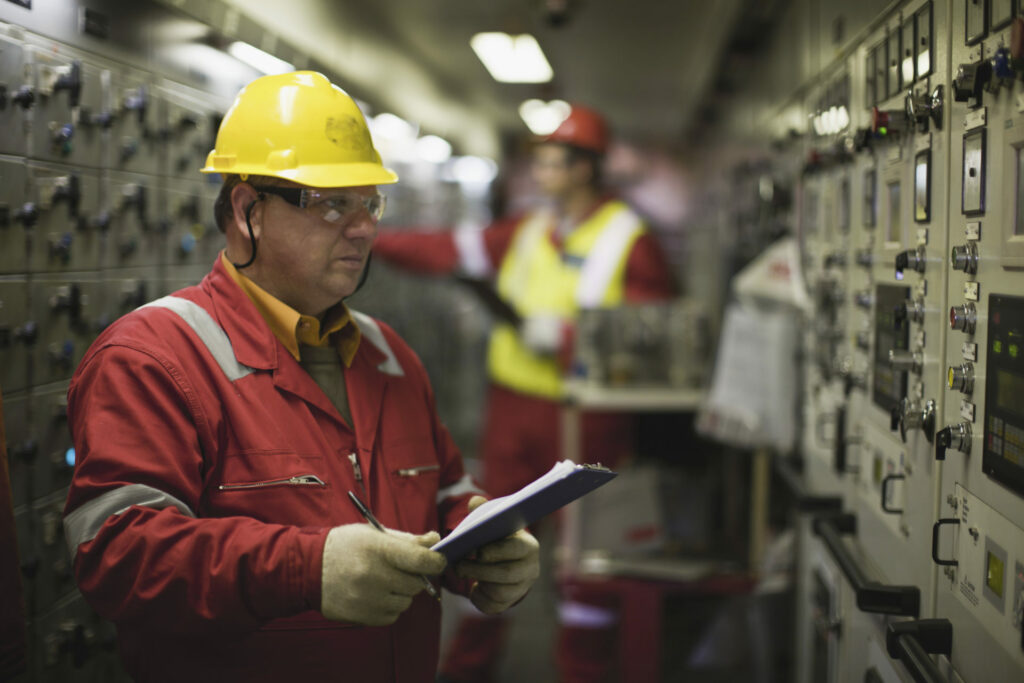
(503, 570)
(370, 577)
(542, 333)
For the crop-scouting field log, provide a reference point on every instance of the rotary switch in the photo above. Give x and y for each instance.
(924, 108)
(970, 80)
(912, 259)
(957, 437)
(909, 310)
(911, 415)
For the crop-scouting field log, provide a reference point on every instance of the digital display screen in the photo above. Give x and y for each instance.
(994, 574)
(1010, 392)
(892, 333)
(1003, 457)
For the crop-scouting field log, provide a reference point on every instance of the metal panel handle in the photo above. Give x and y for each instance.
(912, 641)
(885, 490)
(935, 541)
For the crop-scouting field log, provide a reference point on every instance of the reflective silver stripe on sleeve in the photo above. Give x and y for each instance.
(211, 334)
(371, 330)
(461, 487)
(605, 256)
(83, 523)
(473, 258)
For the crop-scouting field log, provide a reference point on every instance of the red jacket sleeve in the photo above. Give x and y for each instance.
(648, 275)
(436, 252)
(135, 422)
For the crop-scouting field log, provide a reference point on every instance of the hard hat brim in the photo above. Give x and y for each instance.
(326, 175)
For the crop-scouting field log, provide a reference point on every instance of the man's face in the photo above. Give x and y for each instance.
(552, 170)
(311, 259)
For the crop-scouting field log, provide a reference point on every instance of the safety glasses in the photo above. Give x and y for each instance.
(333, 206)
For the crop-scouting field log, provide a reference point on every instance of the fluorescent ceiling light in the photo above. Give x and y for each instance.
(433, 149)
(542, 118)
(471, 170)
(387, 126)
(512, 59)
(258, 59)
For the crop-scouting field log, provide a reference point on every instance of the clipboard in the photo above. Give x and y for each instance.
(499, 517)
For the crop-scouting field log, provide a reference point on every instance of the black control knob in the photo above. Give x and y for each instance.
(62, 138)
(27, 215)
(60, 246)
(961, 377)
(24, 97)
(963, 317)
(957, 437)
(912, 259)
(68, 189)
(965, 257)
(70, 80)
(970, 80)
(864, 258)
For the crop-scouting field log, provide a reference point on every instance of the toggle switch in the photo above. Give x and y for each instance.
(24, 97)
(911, 415)
(27, 215)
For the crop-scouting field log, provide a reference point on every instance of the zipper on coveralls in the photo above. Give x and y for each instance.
(417, 471)
(357, 471)
(297, 480)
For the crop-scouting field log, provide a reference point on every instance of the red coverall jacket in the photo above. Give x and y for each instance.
(190, 518)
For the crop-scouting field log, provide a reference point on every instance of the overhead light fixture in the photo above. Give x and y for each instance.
(473, 170)
(258, 59)
(512, 59)
(542, 118)
(387, 126)
(433, 149)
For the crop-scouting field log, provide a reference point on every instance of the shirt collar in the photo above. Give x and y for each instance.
(292, 328)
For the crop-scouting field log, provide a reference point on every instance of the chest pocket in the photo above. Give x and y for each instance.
(414, 474)
(276, 487)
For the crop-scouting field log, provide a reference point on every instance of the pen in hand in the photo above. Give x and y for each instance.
(368, 516)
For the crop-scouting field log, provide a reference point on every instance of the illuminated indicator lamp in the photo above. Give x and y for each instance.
(1013, 350)
(997, 346)
(882, 130)
(69, 457)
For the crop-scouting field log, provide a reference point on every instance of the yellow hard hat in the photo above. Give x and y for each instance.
(301, 127)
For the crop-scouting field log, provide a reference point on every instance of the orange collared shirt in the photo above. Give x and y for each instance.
(293, 328)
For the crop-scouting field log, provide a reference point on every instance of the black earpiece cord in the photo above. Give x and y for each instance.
(252, 238)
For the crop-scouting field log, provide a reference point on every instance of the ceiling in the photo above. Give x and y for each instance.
(644, 63)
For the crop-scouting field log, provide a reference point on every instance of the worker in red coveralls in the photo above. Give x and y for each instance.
(220, 429)
(583, 249)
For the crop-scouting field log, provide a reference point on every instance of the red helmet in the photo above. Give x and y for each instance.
(583, 128)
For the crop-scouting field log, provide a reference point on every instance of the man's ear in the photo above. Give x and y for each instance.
(242, 196)
(581, 171)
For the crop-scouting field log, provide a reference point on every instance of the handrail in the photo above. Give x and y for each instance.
(874, 597)
(805, 501)
(912, 641)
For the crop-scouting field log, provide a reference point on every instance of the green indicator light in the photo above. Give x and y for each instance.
(1013, 350)
(882, 130)
(997, 346)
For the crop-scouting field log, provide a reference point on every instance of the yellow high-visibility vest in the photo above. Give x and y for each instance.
(537, 279)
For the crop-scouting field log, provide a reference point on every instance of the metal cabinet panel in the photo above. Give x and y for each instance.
(66, 310)
(137, 235)
(18, 100)
(18, 216)
(69, 234)
(15, 335)
(135, 137)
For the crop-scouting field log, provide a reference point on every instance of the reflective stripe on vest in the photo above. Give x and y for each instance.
(371, 330)
(538, 278)
(208, 331)
(85, 521)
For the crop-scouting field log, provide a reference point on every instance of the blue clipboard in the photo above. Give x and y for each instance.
(516, 511)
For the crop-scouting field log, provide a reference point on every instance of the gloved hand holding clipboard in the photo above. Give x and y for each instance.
(497, 518)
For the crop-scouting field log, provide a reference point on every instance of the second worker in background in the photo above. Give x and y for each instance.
(581, 249)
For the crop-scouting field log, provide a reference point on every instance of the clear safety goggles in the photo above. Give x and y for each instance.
(333, 206)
